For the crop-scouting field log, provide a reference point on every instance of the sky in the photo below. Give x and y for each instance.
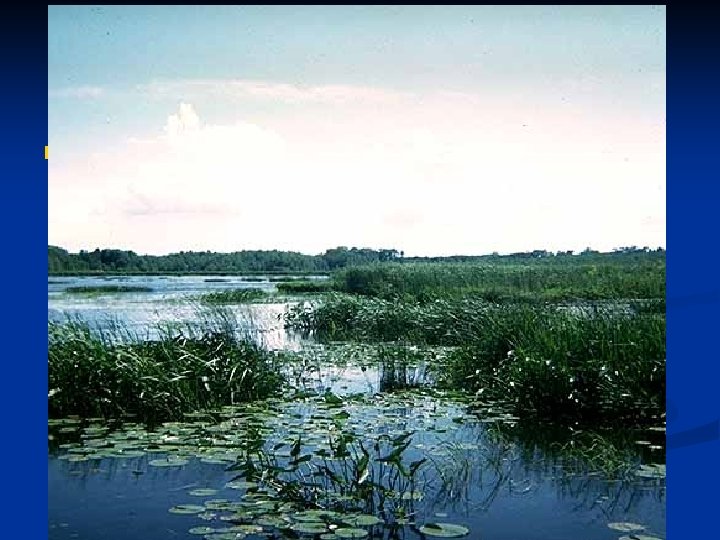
(436, 130)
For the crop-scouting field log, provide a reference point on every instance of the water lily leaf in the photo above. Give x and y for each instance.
(240, 484)
(444, 530)
(271, 521)
(626, 526)
(174, 462)
(224, 536)
(362, 520)
(309, 527)
(201, 530)
(186, 509)
(350, 533)
(202, 492)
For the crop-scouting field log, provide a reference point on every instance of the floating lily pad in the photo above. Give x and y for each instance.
(271, 521)
(214, 461)
(309, 515)
(309, 527)
(224, 536)
(202, 492)
(245, 528)
(128, 454)
(362, 520)
(217, 504)
(444, 530)
(186, 509)
(240, 484)
(201, 530)
(625, 526)
(350, 533)
(174, 462)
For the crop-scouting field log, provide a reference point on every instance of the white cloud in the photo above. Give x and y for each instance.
(432, 174)
(186, 120)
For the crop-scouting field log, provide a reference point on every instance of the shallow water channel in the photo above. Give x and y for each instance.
(467, 469)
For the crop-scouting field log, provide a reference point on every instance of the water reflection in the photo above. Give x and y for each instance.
(477, 474)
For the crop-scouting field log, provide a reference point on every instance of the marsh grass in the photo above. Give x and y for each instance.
(113, 373)
(305, 286)
(600, 368)
(234, 296)
(509, 282)
(593, 364)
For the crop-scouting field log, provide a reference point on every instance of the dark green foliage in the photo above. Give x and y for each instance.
(116, 261)
(233, 296)
(606, 278)
(156, 380)
(305, 286)
(598, 367)
(127, 262)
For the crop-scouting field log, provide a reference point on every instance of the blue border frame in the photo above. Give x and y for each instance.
(693, 291)
(23, 221)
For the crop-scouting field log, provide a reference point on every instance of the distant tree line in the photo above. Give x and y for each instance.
(120, 261)
(115, 260)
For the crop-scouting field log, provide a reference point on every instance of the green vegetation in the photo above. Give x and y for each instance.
(519, 337)
(445, 384)
(549, 361)
(610, 278)
(233, 296)
(116, 261)
(353, 481)
(93, 376)
(102, 289)
(305, 286)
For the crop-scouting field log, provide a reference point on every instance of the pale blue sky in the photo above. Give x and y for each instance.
(438, 106)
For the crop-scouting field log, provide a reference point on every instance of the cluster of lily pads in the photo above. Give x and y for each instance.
(313, 464)
(317, 463)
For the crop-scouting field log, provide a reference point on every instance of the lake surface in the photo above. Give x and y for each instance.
(173, 300)
(484, 471)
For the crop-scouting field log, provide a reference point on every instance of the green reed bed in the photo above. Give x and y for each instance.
(635, 278)
(555, 364)
(233, 296)
(102, 289)
(92, 375)
(544, 360)
(305, 286)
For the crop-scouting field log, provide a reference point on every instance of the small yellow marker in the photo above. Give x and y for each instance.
(46, 152)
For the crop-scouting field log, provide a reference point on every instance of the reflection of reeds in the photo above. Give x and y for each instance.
(401, 367)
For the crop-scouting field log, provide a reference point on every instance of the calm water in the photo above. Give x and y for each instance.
(173, 300)
(505, 488)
